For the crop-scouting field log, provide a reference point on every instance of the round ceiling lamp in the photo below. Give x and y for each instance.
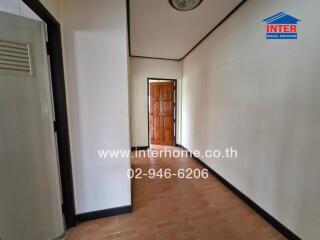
(185, 5)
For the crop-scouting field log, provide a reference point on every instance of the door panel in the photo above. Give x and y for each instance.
(30, 201)
(156, 107)
(167, 135)
(167, 106)
(167, 121)
(157, 123)
(161, 113)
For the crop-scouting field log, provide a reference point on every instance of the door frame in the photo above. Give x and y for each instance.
(175, 107)
(54, 48)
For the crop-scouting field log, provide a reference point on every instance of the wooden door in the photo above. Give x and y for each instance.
(161, 113)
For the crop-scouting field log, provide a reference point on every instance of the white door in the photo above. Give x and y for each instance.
(30, 201)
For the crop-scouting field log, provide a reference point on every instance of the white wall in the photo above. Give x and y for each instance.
(140, 70)
(95, 57)
(261, 97)
(53, 7)
(95, 51)
(18, 7)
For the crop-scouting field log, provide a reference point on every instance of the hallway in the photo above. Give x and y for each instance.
(87, 86)
(168, 209)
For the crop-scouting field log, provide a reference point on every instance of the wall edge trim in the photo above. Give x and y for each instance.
(259, 210)
(137, 148)
(214, 28)
(194, 47)
(103, 213)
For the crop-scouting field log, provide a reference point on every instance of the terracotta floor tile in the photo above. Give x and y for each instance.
(177, 230)
(182, 209)
(280, 237)
(105, 237)
(93, 229)
(142, 216)
(141, 233)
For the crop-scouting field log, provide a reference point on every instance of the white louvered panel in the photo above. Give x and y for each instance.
(15, 57)
(13, 49)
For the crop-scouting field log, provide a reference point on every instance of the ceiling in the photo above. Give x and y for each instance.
(160, 31)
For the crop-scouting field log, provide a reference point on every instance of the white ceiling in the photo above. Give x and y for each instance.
(158, 30)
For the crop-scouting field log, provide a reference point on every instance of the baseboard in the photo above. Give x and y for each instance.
(103, 213)
(139, 148)
(269, 218)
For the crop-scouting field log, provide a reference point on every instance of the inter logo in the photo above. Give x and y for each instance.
(281, 26)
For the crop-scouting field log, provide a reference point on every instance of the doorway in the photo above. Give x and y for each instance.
(29, 168)
(61, 128)
(162, 108)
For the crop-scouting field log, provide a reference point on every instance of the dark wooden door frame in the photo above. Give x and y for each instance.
(54, 49)
(175, 106)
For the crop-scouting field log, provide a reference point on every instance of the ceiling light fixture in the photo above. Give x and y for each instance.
(185, 5)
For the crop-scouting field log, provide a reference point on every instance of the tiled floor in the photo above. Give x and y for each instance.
(186, 209)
